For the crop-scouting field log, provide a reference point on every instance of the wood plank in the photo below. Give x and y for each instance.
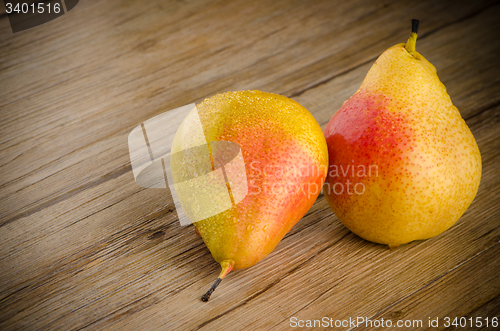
(83, 246)
(349, 277)
(80, 170)
(489, 222)
(37, 113)
(462, 292)
(310, 223)
(469, 76)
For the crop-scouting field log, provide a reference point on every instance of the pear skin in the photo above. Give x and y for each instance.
(286, 161)
(403, 165)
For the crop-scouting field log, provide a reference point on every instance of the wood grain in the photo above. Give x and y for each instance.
(82, 246)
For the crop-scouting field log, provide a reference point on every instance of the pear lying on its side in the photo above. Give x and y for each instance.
(286, 161)
(403, 164)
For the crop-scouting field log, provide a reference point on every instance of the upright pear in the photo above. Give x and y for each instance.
(404, 165)
(285, 159)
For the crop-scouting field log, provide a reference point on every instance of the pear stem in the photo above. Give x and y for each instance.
(227, 266)
(412, 40)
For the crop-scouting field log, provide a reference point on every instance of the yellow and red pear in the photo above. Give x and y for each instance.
(404, 165)
(286, 160)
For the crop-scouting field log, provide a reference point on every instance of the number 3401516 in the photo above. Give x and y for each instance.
(471, 322)
(39, 8)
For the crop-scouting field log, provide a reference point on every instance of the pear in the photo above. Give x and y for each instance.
(403, 165)
(285, 161)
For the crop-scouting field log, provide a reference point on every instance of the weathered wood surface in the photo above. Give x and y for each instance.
(82, 246)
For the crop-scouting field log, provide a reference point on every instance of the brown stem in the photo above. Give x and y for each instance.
(412, 40)
(227, 266)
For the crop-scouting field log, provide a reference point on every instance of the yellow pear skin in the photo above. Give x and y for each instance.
(403, 165)
(286, 161)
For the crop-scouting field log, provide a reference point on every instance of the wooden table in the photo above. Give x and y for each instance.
(82, 246)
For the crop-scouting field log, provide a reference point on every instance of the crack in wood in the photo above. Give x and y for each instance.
(112, 175)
